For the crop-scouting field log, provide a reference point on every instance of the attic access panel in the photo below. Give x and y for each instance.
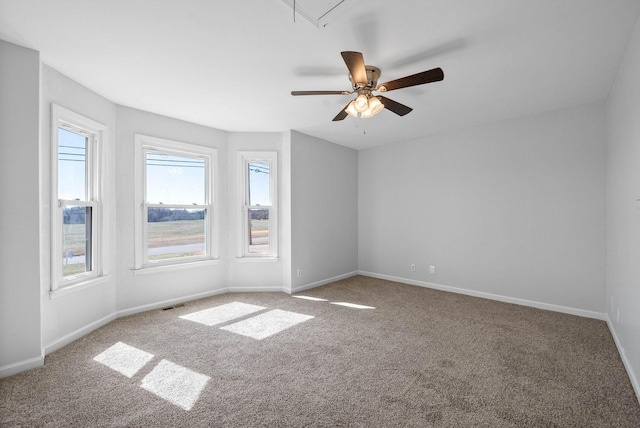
(314, 11)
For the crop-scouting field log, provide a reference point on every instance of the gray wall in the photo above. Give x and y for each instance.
(623, 209)
(246, 274)
(140, 290)
(31, 322)
(67, 317)
(324, 211)
(156, 288)
(514, 209)
(20, 337)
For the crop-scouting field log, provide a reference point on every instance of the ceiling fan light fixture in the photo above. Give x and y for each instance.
(351, 109)
(375, 107)
(361, 103)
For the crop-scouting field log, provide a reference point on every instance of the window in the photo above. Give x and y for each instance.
(76, 197)
(259, 216)
(175, 211)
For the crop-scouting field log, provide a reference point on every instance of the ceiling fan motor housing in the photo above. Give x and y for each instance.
(373, 74)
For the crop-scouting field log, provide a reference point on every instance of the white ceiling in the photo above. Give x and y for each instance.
(231, 64)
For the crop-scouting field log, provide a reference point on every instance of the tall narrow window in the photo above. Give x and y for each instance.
(259, 219)
(76, 198)
(175, 201)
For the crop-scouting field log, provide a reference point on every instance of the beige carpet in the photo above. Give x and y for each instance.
(369, 353)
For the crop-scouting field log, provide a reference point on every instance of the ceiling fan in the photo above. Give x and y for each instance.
(364, 81)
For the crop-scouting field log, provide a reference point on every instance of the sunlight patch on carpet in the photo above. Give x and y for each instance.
(315, 299)
(223, 313)
(352, 305)
(267, 324)
(176, 384)
(124, 359)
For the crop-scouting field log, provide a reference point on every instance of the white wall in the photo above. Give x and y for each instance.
(154, 288)
(20, 338)
(623, 209)
(67, 317)
(33, 323)
(513, 209)
(324, 226)
(246, 274)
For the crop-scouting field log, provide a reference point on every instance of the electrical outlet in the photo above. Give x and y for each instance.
(299, 273)
(432, 270)
(413, 267)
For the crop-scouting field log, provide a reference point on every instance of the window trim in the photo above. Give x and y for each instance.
(97, 134)
(143, 143)
(244, 158)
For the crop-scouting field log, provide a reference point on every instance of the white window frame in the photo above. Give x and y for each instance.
(145, 143)
(96, 134)
(244, 158)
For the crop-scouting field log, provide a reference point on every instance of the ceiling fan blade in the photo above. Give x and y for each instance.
(343, 113)
(434, 75)
(394, 106)
(355, 64)
(320, 92)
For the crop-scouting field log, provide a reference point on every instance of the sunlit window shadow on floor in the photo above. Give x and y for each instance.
(346, 304)
(223, 313)
(124, 359)
(315, 299)
(267, 324)
(352, 305)
(175, 383)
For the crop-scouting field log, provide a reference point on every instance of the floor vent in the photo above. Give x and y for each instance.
(173, 307)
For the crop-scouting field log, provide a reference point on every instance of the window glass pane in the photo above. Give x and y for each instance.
(76, 240)
(175, 232)
(72, 165)
(175, 179)
(259, 183)
(258, 231)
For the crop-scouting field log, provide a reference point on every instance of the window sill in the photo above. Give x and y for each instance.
(69, 289)
(258, 259)
(150, 269)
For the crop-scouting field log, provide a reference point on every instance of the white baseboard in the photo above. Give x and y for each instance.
(39, 361)
(75, 335)
(321, 282)
(556, 308)
(119, 314)
(255, 290)
(625, 361)
(171, 302)
(21, 366)
(497, 297)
